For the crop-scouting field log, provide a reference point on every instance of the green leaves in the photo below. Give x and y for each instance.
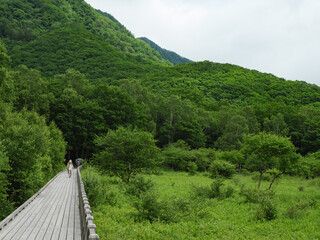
(266, 151)
(34, 151)
(126, 151)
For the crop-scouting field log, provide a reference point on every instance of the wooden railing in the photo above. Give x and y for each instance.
(87, 226)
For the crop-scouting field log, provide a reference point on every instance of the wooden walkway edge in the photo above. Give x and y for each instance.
(52, 213)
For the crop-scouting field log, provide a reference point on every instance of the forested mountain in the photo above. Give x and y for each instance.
(166, 54)
(69, 72)
(24, 21)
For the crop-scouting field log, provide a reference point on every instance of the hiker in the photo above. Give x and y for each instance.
(69, 167)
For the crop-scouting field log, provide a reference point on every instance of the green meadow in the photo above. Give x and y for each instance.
(176, 205)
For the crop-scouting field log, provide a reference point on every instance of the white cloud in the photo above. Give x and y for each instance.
(276, 36)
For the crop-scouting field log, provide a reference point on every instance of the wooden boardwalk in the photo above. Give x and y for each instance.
(53, 214)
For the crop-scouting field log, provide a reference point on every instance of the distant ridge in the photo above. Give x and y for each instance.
(172, 57)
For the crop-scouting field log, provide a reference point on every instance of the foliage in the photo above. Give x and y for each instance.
(192, 168)
(266, 151)
(98, 189)
(126, 151)
(176, 155)
(168, 55)
(25, 21)
(235, 157)
(139, 185)
(150, 208)
(309, 166)
(5, 168)
(34, 150)
(186, 215)
(221, 168)
(217, 190)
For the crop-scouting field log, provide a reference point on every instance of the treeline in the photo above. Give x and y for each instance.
(32, 149)
(72, 76)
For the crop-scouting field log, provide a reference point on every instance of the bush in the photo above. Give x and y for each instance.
(266, 210)
(200, 191)
(192, 168)
(216, 190)
(254, 195)
(139, 185)
(222, 168)
(97, 190)
(177, 155)
(150, 208)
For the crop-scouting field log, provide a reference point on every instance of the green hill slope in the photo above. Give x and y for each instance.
(166, 54)
(73, 46)
(22, 21)
(230, 84)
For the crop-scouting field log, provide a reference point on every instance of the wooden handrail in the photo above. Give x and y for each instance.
(87, 226)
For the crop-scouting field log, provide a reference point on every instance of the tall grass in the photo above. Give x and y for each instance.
(181, 215)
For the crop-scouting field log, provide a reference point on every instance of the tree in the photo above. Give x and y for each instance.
(32, 156)
(232, 133)
(236, 157)
(30, 90)
(276, 125)
(6, 206)
(266, 151)
(126, 151)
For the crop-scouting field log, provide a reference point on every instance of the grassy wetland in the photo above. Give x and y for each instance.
(176, 205)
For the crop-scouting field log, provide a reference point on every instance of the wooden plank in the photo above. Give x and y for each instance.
(11, 229)
(54, 229)
(29, 220)
(43, 220)
(49, 218)
(13, 215)
(71, 220)
(67, 212)
(54, 214)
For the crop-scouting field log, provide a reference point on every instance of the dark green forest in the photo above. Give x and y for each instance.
(72, 77)
(166, 54)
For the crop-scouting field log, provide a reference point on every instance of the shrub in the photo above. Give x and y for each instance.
(200, 191)
(266, 210)
(177, 155)
(97, 190)
(139, 185)
(192, 168)
(222, 168)
(150, 208)
(216, 190)
(254, 195)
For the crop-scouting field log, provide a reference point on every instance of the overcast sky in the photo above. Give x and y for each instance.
(281, 37)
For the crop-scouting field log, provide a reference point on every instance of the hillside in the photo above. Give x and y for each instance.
(23, 21)
(74, 82)
(72, 46)
(171, 56)
(126, 83)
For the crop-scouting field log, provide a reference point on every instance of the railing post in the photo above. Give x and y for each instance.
(88, 228)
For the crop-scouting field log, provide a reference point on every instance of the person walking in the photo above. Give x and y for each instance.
(69, 167)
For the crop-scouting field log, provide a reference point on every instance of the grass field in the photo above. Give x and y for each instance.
(180, 209)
